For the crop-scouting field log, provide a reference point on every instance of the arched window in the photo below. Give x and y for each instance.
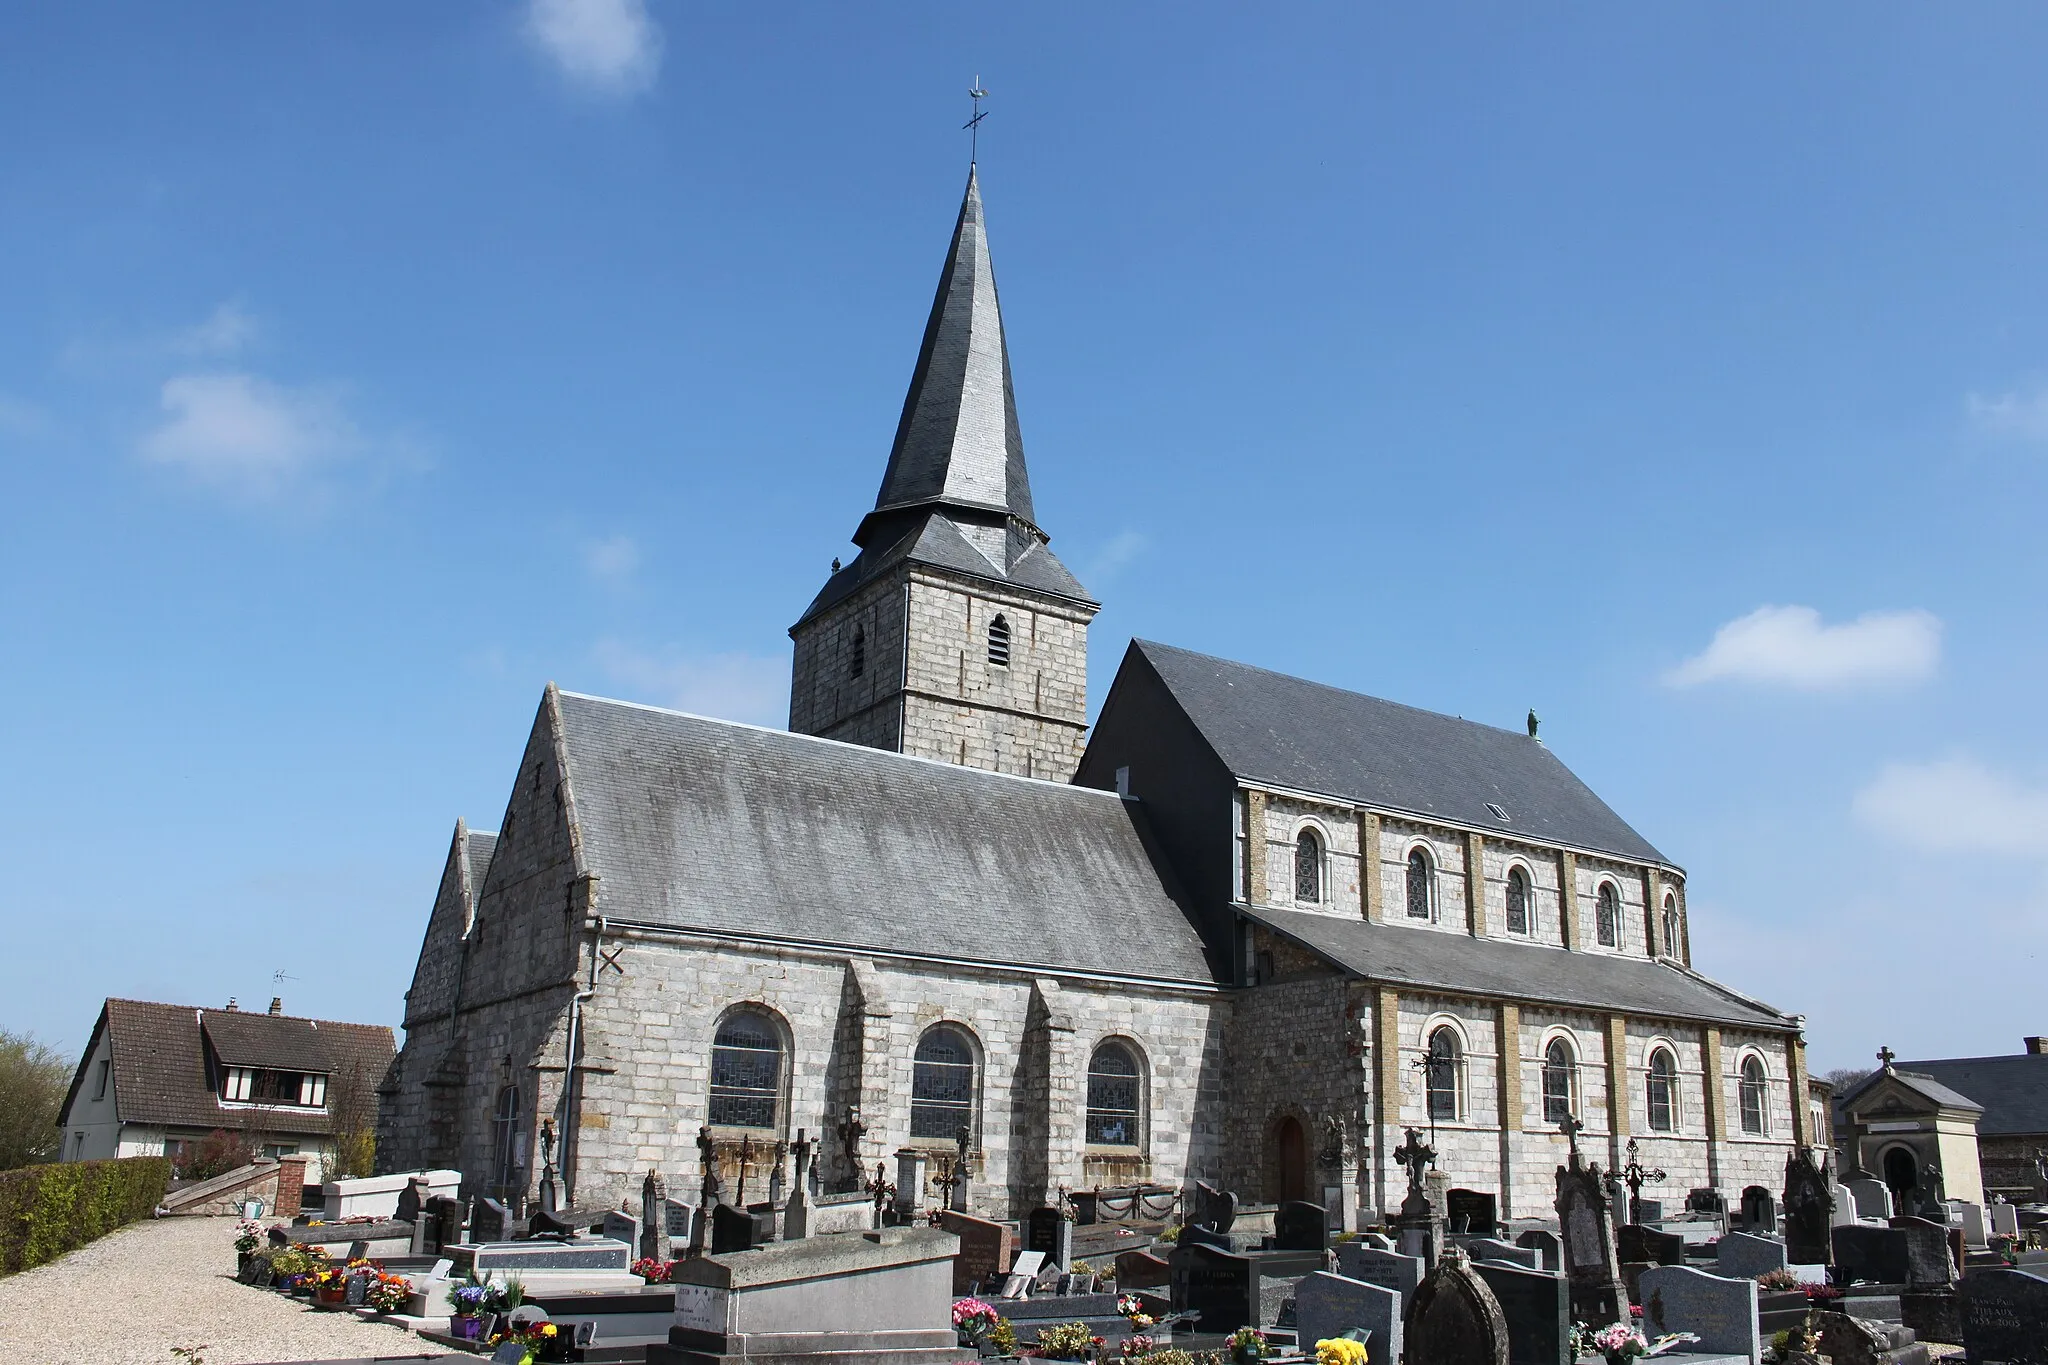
(1663, 1091)
(1560, 1069)
(746, 1072)
(1443, 1067)
(1421, 885)
(1670, 925)
(857, 661)
(999, 641)
(1518, 901)
(505, 1139)
(1752, 1093)
(1113, 1094)
(1607, 915)
(942, 1084)
(1308, 867)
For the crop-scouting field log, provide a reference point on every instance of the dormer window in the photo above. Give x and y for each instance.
(999, 641)
(261, 1085)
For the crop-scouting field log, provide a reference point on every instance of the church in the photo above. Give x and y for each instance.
(1246, 929)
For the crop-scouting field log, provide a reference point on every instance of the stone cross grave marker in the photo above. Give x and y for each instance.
(1591, 1265)
(796, 1209)
(1387, 1269)
(1455, 1320)
(2005, 1316)
(1744, 1256)
(1721, 1311)
(1327, 1305)
(1537, 1308)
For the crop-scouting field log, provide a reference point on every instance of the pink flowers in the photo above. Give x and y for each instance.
(972, 1316)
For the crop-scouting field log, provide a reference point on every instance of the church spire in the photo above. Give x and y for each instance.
(957, 445)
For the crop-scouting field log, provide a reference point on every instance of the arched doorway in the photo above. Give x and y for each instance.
(1292, 1146)
(1902, 1173)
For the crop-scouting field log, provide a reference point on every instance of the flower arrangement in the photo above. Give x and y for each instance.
(1777, 1279)
(653, 1271)
(973, 1320)
(1069, 1341)
(503, 1298)
(1818, 1294)
(1248, 1346)
(1168, 1356)
(538, 1338)
(1133, 1307)
(467, 1300)
(389, 1293)
(248, 1236)
(1132, 1347)
(1340, 1351)
(1618, 1342)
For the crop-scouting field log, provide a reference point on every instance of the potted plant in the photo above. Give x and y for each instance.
(1618, 1344)
(1344, 1350)
(974, 1322)
(466, 1309)
(542, 1341)
(330, 1286)
(389, 1294)
(1069, 1341)
(1248, 1346)
(248, 1236)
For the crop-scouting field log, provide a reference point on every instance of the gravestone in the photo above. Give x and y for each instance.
(1744, 1256)
(2005, 1220)
(677, 1217)
(1650, 1210)
(796, 1209)
(1301, 1226)
(1455, 1320)
(1387, 1269)
(412, 1199)
(1867, 1253)
(1470, 1211)
(1722, 1312)
(1708, 1201)
(1537, 1307)
(1276, 1301)
(1220, 1285)
(1214, 1209)
(1549, 1250)
(444, 1215)
(621, 1226)
(1591, 1265)
(733, 1230)
(1873, 1198)
(1493, 1249)
(1929, 1263)
(1047, 1230)
(356, 1292)
(1327, 1306)
(1634, 1242)
(492, 1222)
(984, 1251)
(1809, 1209)
(2005, 1317)
(911, 1166)
(655, 1241)
(1379, 1240)
(1845, 1208)
(1759, 1210)
(1976, 1232)
(1142, 1270)
(1023, 1274)
(1195, 1235)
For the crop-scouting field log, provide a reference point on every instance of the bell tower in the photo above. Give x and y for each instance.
(955, 634)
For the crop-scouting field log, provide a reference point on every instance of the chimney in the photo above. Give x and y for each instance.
(231, 1004)
(277, 1004)
(2036, 1047)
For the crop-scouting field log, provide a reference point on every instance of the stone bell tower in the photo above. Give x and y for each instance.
(955, 634)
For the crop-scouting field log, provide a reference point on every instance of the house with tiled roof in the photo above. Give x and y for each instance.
(156, 1079)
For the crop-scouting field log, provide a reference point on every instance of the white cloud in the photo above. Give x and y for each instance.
(1113, 558)
(612, 559)
(2021, 414)
(610, 47)
(1790, 646)
(1956, 805)
(743, 687)
(247, 433)
(226, 330)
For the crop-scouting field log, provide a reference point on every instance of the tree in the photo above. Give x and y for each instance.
(352, 1120)
(33, 1082)
(1842, 1077)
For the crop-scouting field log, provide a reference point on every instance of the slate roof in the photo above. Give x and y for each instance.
(1456, 963)
(956, 477)
(1271, 728)
(480, 847)
(160, 1072)
(709, 825)
(2012, 1090)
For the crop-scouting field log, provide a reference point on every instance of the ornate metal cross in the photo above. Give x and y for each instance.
(973, 125)
(1885, 1057)
(1635, 1175)
(1417, 1156)
(880, 1189)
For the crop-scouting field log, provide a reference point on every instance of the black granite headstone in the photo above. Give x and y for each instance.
(1219, 1285)
(1301, 1226)
(1214, 1209)
(1706, 1200)
(2005, 1316)
(1877, 1255)
(1470, 1211)
(1634, 1242)
(1047, 1230)
(1195, 1235)
(1809, 1210)
(1545, 1243)
(492, 1222)
(732, 1230)
(446, 1214)
(1537, 1306)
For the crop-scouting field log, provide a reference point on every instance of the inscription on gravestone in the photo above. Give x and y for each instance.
(1047, 1230)
(984, 1250)
(2005, 1316)
(1220, 1285)
(1328, 1306)
(1470, 1211)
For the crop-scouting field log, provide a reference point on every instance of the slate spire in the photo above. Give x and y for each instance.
(957, 445)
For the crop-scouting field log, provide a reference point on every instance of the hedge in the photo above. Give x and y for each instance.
(48, 1210)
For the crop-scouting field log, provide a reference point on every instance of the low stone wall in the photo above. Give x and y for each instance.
(279, 1184)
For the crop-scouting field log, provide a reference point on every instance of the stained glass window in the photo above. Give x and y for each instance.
(1420, 877)
(1308, 867)
(746, 1072)
(1518, 901)
(1443, 1067)
(1559, 1070)
(1607, 915)
(999, 642)
(1752, 1095)
(1663, 1091)
(942, 1084)
(1113, 1097)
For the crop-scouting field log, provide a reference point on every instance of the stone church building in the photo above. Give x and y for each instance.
(1245, 930)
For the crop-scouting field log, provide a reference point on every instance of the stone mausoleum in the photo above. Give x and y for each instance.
(1245, 930)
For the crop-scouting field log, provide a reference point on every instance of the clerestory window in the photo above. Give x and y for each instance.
(1308, 867)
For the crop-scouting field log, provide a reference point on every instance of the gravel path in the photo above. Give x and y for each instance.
(128, 1298)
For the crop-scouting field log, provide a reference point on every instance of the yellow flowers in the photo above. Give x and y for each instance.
(1340, 1351)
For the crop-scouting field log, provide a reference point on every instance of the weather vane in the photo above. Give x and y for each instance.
(973, 125)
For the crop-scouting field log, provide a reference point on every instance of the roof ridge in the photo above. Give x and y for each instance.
(885, 754)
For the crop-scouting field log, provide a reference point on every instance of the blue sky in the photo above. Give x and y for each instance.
(1680, 371)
